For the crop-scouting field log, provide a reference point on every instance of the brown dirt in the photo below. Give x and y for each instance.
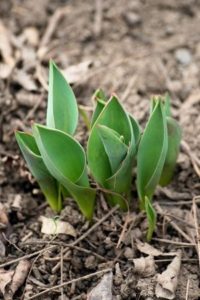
(138, 49)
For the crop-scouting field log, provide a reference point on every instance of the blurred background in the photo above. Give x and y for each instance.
(133, 48)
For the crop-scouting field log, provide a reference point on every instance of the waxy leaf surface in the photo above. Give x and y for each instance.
(174, 139)
(47, 183)
(65, 160)
(152, 152)
(62, 110)
(112, 136)
(100, 100)
(114, 146)
(151, 218)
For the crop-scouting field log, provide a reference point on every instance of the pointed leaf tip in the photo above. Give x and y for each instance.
(152, 152)
(38, 169)
(62, 109)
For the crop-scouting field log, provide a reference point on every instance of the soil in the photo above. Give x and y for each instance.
(135, 49)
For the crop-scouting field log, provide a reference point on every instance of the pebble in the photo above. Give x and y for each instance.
(128, 253)
(132, 19)
(183, 56)
(90, 262)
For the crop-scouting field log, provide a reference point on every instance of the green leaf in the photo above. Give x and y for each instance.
(84, 116)
(152, 152)
(97, 157)
(65, 159)
(151, 218)
(100, 150)
(136, 129)
(47, 183)
(100, 99)
(114, 146)
(62, 110)
(174, 139)
(121, 181)
(167, 105)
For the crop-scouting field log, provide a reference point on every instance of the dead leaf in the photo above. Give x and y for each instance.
(147, 249)
(55, 226)
(5, 279)
(144, 266)
(19, 276)
(167, 281)
(77, 72)
(103, 290)
(12, 280)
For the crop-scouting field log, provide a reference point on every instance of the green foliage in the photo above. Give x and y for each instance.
(54, 157)
(151, 218)
(35, 163)
(152, 152)
(62, 109)
(115, 146)
(157, 154)
(110, 151)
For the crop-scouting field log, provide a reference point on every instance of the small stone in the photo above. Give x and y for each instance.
(90, 262)
(128, 253)
(169, 30)
(183, 56)
(132, 19)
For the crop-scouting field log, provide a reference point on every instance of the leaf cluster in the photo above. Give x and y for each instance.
(116, 146)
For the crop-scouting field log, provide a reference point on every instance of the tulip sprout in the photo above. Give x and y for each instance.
(116, 146)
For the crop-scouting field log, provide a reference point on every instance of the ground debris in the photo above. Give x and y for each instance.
(145, 266)
(103, 291)
(55, 226)
(168, 280)
(147, 249)
(75, 73)
(12, 280)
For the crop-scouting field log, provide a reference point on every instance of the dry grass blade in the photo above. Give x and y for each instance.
(194, 160)
(98, 18)
(6, 264)
(68, 282)
(52, 25)
(172, 223)
(187, 289)
(195, 218)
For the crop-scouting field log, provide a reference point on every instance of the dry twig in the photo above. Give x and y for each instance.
(68, 282)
